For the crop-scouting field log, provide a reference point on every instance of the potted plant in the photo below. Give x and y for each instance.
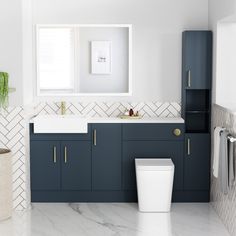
(4, 89)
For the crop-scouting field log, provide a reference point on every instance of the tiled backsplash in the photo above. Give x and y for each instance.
(14, 135)
(112, 109)
(225, 205)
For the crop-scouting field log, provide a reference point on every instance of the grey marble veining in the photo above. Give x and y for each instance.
(95, 219)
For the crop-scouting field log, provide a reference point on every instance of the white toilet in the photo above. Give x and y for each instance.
(154, 183)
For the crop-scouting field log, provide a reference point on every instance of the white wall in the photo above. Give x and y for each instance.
(157, 27)
(27, 46)
(226, 64)
(218, 10)
(11, 46)
(117, 81)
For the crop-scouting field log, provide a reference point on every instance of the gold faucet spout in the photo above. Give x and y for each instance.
(63, 108)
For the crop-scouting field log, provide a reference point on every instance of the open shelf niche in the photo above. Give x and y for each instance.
(197, 110)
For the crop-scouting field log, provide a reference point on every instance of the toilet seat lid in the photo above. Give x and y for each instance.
(153, 164)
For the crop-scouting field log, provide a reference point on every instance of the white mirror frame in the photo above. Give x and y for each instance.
(129, 93)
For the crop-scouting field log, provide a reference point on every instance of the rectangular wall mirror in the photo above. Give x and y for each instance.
(83, 60)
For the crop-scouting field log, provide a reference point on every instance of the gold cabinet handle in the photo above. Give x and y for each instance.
(65, 154)
(177, 132)
(189, 147)
(95, 137)
(54, 154)
(189, 78)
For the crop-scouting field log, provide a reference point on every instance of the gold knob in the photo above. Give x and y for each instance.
(177, 132)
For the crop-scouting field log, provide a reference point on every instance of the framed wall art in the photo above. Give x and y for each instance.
(101, 58)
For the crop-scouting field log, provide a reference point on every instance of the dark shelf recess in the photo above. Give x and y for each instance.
(197, 100)
(196, 132)
(197, 122)
(195, 112)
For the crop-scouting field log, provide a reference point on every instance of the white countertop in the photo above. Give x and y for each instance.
(142, 120)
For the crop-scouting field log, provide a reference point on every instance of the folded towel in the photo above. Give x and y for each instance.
(223, 162)
(216, 157)
(231, 164)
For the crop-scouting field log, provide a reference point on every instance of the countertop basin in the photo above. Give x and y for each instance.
(60, 124)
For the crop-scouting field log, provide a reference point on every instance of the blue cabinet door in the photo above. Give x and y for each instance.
(106, 157)
(197, 59)
(197, 162)
(76, 165)
(151, 149)
(45, 165)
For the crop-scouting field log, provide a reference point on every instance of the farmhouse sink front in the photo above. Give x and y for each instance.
(60, 124)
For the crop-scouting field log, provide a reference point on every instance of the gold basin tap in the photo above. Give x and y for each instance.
(63, 108)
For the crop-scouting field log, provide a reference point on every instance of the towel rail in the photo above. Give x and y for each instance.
(231, 138)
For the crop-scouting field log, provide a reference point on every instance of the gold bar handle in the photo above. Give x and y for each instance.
(65, 153)
(189, 78)
(95, 137)
(189, 147)
(54, 154)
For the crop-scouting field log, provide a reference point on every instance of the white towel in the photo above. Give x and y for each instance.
(216, 157)
(224, 162)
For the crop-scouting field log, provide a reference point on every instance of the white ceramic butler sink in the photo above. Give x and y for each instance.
(60, 124)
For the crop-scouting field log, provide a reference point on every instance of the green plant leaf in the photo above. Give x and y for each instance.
(4, 90)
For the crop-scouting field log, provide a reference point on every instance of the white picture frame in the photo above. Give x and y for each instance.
(101, 57)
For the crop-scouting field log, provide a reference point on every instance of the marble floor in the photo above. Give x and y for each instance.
(95, 219)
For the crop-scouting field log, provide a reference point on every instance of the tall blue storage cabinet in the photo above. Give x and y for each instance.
(196, 110)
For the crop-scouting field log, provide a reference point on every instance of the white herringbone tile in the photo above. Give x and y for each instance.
(107, 109)
(11, 127)
(112, 109)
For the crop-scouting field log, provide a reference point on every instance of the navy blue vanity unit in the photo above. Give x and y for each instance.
(99, 166)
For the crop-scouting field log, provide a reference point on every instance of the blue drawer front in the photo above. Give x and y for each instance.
(152, 132)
